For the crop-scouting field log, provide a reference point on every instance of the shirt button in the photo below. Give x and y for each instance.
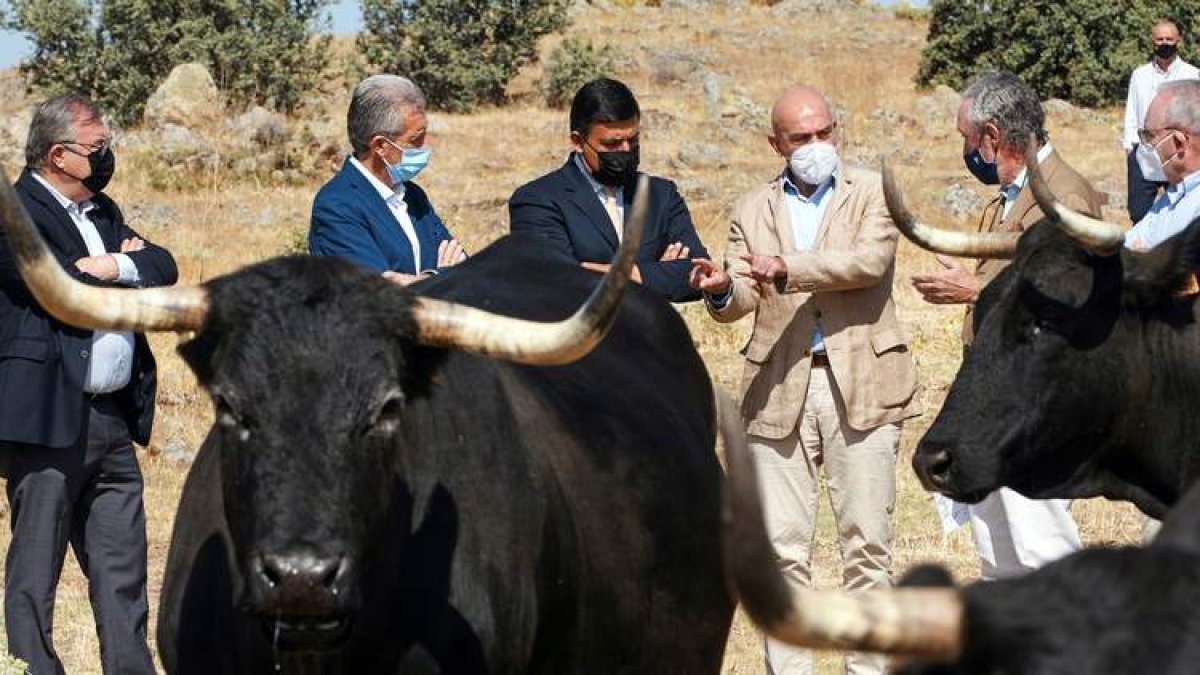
(84, 353)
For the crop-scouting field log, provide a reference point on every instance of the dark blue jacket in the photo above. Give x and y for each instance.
(352, 221)
(562, 208)
(44, 363)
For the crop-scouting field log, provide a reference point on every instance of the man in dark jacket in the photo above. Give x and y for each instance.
(72, 402)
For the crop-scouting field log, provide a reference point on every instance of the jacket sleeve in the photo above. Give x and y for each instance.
(155, 264)
(863, 264)
(338, 229)
(532, 212)
(670, 279)
(744, 292)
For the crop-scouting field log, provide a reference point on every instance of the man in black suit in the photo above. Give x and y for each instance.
(73, 401)
(579, 210)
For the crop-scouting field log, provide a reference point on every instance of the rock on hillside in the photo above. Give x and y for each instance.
(188, 98)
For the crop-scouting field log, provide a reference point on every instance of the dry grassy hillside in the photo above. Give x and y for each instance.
(705, 79)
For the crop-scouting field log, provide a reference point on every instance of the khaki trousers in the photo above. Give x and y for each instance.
(860, 472)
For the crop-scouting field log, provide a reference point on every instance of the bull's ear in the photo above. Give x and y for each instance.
(1165, 272)
(927, 576)
(1181, 527)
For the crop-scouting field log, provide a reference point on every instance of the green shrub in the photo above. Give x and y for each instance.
(119, 51)
(460, 52)
(573, 64)
(1079, 50)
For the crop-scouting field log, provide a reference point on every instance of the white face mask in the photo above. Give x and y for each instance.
(1149, 162)
(814, 163)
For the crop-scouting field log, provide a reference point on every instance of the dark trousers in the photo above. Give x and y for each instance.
(1142, 192)
(91, 496)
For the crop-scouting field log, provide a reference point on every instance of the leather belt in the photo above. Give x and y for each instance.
(820, 360)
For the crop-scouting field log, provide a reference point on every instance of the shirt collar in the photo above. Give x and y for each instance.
(597, 187)
(1011, 190)
(789, 186)
(1170, 69)
(80, 208)
(384, 190)
(1179, 190)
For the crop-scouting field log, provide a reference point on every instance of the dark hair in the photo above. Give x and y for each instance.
(53, 122)
(602, 100)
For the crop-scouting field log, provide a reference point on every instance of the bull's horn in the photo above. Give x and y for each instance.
(922, 622)
(180, 308)
(1101, 237)
(447, 324)
(950, 242)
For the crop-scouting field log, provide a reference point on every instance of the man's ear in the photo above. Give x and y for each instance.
(577, 140)
(774, 143)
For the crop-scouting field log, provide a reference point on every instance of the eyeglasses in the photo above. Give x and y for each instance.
(1147, 136)
(820, 134)
(98, 146)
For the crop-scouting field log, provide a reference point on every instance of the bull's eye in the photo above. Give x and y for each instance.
(387, 418)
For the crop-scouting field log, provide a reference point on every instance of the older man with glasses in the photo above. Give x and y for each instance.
(1169, 151)
(73, 402)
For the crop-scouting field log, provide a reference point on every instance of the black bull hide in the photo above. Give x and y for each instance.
(399, 509)
(1081, 381)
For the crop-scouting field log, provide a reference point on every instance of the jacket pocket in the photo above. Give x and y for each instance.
(888, 340)
(30, 349)
(894, 373)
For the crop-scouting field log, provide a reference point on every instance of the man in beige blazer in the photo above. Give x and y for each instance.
(828, 376)
(998, 114)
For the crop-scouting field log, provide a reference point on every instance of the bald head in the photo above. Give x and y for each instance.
(800, 115)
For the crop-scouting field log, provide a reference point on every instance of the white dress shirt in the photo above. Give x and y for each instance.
(111, 363)
(395, 203)
(1143, 85)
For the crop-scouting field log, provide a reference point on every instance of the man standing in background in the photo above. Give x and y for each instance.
(1165, 66)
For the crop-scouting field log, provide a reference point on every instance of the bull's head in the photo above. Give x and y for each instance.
(311, 365)
(1069, 341)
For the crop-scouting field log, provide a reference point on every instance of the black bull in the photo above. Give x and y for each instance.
(509, 519)
(1082, 377)
(385, 489)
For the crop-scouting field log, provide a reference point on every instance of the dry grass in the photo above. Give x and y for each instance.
(864, 60)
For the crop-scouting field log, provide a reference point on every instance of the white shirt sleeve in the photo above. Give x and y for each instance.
(1129, 138)
(127, 272)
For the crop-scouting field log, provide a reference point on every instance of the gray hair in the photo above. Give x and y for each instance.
(1004, 100)
(53, 122)
(1183, 108)
(378, 108)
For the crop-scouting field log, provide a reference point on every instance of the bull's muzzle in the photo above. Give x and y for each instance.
(932, 466)
(303, 597)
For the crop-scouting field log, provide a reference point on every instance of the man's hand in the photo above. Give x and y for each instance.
(676, 251)
(132, 244)
(954, 285)
(450, 253)
(402, 278)
(708, 278)
(602, 268)
(103, 267)
(765, 269)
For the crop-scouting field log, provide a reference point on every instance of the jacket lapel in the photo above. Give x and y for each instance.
(843, 188)
(381, 216)
(779, 218)
(62, 234)
(583, 197)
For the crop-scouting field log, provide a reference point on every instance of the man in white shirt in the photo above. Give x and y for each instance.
(1165, 66)
(1169, 150)
(73, 402)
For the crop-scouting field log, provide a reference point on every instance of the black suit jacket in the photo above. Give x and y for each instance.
(43, 362)
(563, 209)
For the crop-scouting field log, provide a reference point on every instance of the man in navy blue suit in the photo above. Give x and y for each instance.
(579, 210)
(72, 402)
(371, 213)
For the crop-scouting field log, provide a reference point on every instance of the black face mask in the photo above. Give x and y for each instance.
(617, 169)
(103, 164)
(985, 171)
(1165, 51)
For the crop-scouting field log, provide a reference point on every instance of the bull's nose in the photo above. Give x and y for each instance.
(933, 467)
(299, 582)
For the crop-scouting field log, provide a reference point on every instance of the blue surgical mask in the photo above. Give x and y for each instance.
(982, 169)
(412, 161)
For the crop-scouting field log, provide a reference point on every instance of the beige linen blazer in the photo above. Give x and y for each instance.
(844, 283)
(1072, 189)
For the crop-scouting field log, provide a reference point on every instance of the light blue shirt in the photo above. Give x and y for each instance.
(1171, 213)
(601, 189)
(805, 214)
